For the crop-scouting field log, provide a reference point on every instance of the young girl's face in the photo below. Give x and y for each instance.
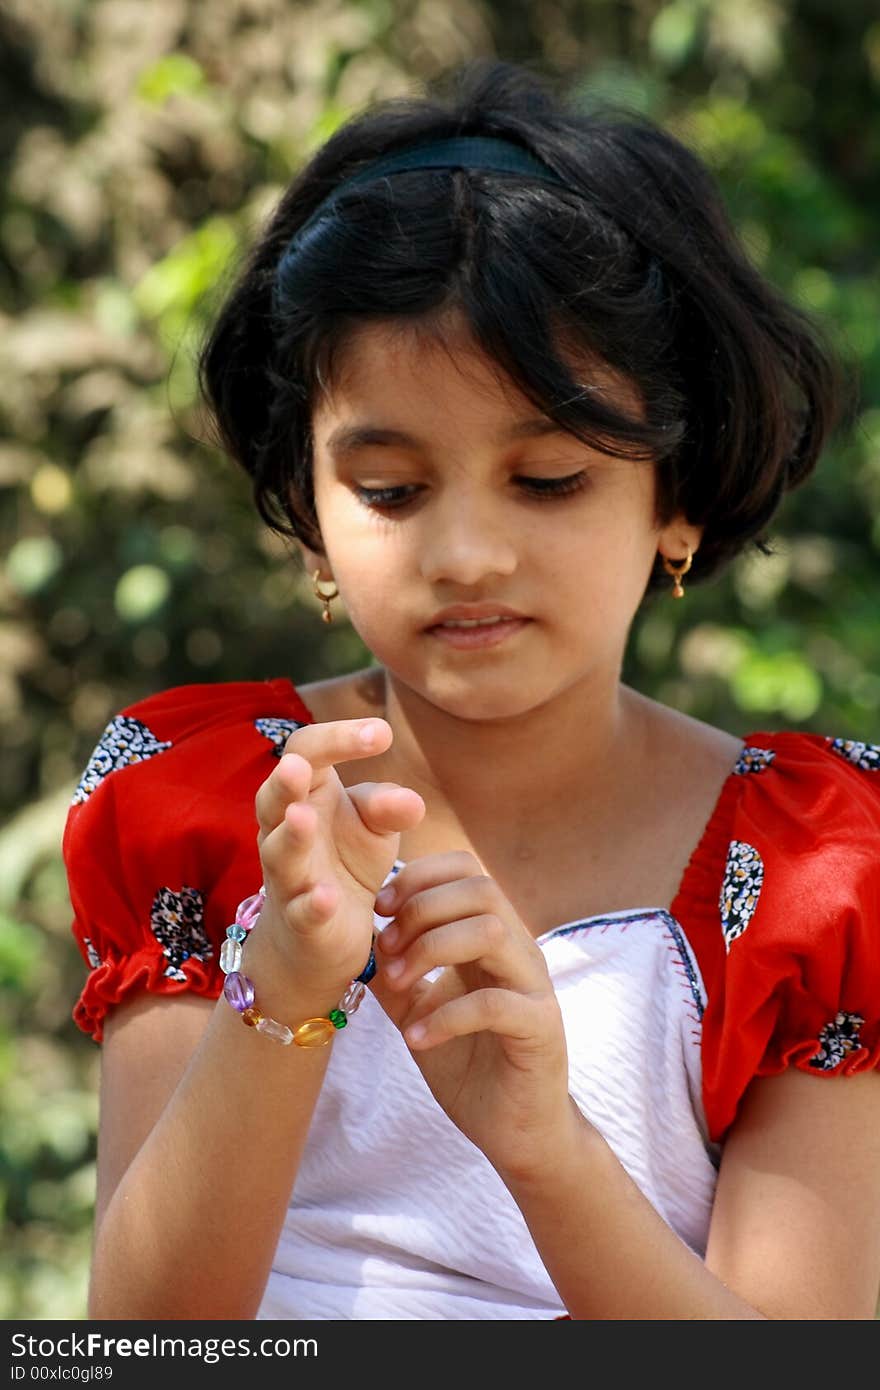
(460, 466)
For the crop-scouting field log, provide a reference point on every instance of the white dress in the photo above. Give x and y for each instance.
(396, 1215)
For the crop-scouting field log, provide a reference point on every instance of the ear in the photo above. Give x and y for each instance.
(678, 537)
(311, 559)
(314, 560)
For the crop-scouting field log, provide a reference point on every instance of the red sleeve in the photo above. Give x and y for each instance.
(781, 901)
(160, 843)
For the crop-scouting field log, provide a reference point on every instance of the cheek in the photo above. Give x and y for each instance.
(372, 568)
(599, 572)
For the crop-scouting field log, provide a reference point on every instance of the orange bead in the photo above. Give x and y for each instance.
(315, 1032)
(251, 1017)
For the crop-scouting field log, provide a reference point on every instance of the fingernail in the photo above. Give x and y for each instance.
(367, 733)
(416, 1032)
(389, 937)
(395, 968)
(385, 898)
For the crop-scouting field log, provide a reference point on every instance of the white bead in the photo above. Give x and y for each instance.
(273, 1029)
(350, 1001)
(230, 955)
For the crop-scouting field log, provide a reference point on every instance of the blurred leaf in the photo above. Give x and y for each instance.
(32, 562)
(20, 946)
(779, 684)
(172, 75)
(172, 287)
(141, 592)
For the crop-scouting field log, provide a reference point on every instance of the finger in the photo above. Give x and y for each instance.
(500, 1011)
(426, 872)
(338, 741)
(307, 763)
(289, 781)
(301, 900)
(286, 851)
(429, 906)
(386, 806)
(486, 941)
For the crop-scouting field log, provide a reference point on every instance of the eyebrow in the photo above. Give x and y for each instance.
(347, 439)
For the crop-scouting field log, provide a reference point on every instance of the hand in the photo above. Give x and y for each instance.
(325, 850)
(487, 1035)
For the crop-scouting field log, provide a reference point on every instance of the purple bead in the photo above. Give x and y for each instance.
(239, 990)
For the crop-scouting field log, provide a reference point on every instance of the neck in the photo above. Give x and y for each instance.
(535, 764)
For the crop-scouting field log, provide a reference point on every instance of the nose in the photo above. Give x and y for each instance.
(465, 541)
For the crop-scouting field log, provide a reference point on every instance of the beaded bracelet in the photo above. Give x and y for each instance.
(239, 990)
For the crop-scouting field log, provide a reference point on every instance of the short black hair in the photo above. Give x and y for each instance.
(634, 263)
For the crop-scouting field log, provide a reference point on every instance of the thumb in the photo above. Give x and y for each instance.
(385, 807)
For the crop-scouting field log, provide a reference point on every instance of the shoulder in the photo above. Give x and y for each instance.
(807, 821)
(782, 904)
(799, 813)
(160, 841)
(355, 695)
(200, 724)
(188, 711)
(794, 772)
(175, 772)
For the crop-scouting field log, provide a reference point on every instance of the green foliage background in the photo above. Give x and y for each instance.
(142, 143)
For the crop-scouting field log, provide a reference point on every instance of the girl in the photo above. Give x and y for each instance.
(500, 367)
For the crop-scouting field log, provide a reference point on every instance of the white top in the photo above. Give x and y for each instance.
(396, 1215)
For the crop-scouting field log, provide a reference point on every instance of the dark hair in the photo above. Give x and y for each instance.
(634, 263)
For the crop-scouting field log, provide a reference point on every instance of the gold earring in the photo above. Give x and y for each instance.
(678, 568)
(326, 615)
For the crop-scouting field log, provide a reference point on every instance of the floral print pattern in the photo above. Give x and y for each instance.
(123, 742)
(754, 760)
(836, 1040)
(863, 755)
(743, 880)
(92, 955)
(177, 922)
(277, 731)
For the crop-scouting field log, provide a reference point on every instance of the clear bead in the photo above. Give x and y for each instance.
(273, 1029)
(351, 999)
(230, 955)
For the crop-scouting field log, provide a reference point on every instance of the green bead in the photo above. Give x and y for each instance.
(337, 1018)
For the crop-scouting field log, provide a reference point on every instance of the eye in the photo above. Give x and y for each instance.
(555, 487)
(383, 496)
(544, 489)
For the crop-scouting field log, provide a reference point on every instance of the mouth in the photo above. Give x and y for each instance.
(481, 633)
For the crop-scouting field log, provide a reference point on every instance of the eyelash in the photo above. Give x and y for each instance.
(541, 489)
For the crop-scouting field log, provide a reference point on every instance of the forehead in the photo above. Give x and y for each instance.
(436, 369)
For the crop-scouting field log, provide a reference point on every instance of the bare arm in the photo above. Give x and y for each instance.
(795, 1228)
(203, 1123)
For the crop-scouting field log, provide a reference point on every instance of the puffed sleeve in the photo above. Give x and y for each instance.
(782, 904)
(160, 842)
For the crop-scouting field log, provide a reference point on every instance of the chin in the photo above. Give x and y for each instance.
(478, 699)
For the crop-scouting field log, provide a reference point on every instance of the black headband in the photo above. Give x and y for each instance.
(458, 152)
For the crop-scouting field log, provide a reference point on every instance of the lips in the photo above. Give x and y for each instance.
(478, 636)
(471, 612)
(467, 623)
